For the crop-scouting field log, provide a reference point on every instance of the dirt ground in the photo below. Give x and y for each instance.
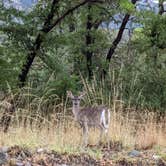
(111, 156)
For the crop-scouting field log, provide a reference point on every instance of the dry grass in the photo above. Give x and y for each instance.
(135, 133)
(65, 134)
(132, 129)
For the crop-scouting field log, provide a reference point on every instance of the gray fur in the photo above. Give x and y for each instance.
(98, 117)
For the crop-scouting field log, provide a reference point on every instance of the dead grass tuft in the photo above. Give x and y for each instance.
(65, 135)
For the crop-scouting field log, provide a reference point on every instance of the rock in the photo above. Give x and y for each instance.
(4, 149)
(28, 164)
(3, 158)
(156, 157)
(22, 155)
(40, 150)
(134, 153)
(19, 164)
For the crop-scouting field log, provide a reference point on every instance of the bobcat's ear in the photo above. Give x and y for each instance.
(82, 94)
(69, 94)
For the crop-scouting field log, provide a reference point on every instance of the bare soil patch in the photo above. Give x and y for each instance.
(19, 156)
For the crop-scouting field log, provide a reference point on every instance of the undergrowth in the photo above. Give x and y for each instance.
(46, 121)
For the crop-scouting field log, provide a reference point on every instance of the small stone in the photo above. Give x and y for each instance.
(19, 164)
(3, 158)
(40, 150)
(156, 157)
(134, 153)
(4, 149)
(21, 156)
(28, 164)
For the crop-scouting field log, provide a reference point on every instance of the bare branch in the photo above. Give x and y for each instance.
(161, 7)
(51, 14)
(58, 20)
(119, 35)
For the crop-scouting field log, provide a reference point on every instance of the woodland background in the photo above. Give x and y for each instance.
(113, 50)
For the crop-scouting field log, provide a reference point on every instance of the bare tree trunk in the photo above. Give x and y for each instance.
(161, 7)
(29, 60)
(118, 38)
(33, 52)
(89, 41)
(119, 35)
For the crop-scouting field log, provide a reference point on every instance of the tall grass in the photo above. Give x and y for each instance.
(46, 120)
(61, 133)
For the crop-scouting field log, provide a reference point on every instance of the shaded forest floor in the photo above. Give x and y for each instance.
(19, 156)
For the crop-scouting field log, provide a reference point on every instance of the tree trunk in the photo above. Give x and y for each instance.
(161, 7)
(89, 41)
(49, 24)
(29, 60)
(119, 35)
(118, 38)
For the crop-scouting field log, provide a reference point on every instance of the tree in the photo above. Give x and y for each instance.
(120, 33)
(48, 26)
(161, 7)
(49, 22)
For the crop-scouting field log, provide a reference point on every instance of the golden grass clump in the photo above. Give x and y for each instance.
(45, 121)
(65, 135)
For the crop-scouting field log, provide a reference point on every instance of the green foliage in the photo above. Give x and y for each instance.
(153, 32)
(63, 84)
(127, 6)
(136, 74)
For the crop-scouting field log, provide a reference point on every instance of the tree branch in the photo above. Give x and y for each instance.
(161, 7)
(58, 20)
(119, 35)
(47, 27)
(51, 14)
(33, 51)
